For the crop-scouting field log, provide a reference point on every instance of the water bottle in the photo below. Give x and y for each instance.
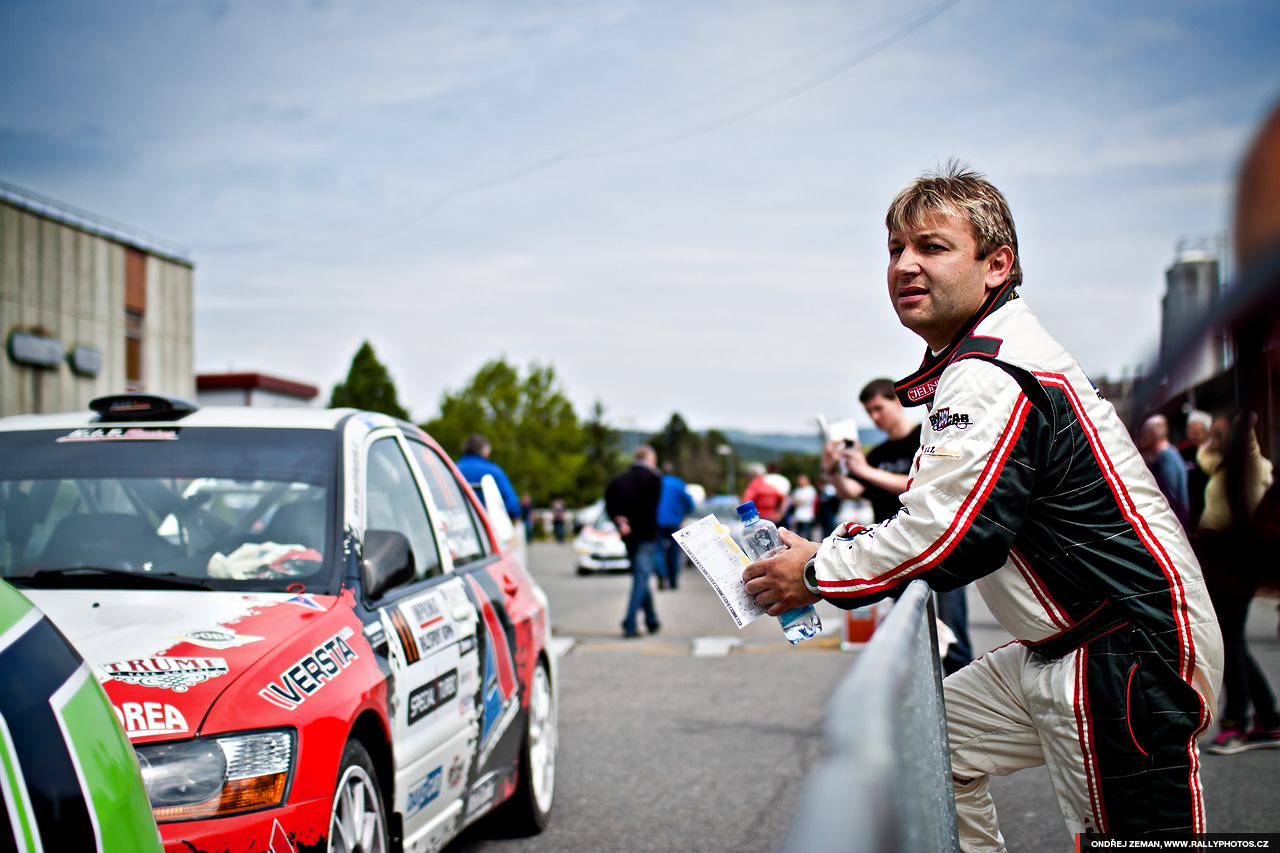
(760, 540)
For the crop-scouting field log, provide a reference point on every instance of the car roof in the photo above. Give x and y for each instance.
(297, 417)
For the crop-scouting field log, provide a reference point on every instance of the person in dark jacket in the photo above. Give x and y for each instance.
(631, 500)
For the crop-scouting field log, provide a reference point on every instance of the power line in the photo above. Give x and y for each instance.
(588, 150)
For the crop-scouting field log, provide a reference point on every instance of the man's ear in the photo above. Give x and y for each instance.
(999, 265)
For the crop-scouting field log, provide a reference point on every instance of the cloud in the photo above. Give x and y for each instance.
(561, 181)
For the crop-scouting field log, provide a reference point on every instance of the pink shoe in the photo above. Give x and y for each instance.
(1228, 742)
(1260, 738)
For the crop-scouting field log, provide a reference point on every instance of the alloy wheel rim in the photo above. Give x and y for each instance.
(356, 823)
(542, 740)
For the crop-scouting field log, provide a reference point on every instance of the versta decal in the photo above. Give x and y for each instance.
(177, 674)
(311, 672)
(216, 638)
(432, 695)
(150, 718)
(424, 791)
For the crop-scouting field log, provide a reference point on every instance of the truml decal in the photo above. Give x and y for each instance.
(311, 672)
(175, 673)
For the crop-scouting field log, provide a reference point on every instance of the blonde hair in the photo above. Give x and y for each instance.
(957, 190)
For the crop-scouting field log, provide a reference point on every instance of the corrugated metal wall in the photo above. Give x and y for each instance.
(64, 283)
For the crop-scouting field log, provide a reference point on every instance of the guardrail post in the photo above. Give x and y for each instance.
(885, 785)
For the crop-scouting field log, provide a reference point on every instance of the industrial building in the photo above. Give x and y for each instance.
(88, 307)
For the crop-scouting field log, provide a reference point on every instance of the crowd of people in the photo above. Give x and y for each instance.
(1193, 477)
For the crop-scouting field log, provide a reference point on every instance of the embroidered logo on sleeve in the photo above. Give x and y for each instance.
(939, 452)
(943, 418)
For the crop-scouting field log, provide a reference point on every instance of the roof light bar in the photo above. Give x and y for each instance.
(141, 407)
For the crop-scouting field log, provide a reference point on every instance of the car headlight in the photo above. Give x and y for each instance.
(215, 776)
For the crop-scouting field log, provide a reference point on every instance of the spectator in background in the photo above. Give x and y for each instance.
(770, 502)
(881, 476)
(558, 515)
(1166, 466)
(828, 511)
(1232, 574)
(1198, 423)
(673, 506)
(774, 478)
(526, 515)
(804, 507)
(631, 500)
(474, 464)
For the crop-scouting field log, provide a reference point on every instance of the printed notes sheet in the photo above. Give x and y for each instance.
(721, 561)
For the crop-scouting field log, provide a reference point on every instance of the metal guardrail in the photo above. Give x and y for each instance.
(885, 785)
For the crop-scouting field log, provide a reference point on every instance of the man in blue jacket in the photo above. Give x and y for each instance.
(673, 506)
(474, 464)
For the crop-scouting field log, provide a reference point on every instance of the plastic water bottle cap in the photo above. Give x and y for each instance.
(748, 508)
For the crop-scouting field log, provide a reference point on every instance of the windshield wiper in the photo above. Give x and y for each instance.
(93, 576)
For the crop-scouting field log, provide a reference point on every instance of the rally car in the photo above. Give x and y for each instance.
(303, 619)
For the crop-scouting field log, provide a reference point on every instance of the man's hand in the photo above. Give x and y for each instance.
(624, 528)
(778, 583)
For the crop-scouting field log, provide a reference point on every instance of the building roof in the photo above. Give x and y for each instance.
(261, 381)
(93, 224)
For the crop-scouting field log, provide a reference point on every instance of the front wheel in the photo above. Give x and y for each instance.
(529, 809)
(358, 823)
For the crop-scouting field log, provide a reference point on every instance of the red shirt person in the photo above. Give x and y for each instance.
(770, 502)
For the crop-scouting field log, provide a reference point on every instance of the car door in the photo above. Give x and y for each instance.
(433, 653)
(508, 649)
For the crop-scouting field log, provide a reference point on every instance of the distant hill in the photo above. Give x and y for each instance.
(759, 447)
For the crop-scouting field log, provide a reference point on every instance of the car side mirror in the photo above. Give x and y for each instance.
(388, 562)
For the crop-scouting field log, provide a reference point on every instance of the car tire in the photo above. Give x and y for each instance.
(357, 821)
(529, 808)
(583, 570)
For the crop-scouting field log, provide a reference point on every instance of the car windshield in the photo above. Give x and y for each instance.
(204, 507)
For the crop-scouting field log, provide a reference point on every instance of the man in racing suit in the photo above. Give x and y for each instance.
(1028, 484)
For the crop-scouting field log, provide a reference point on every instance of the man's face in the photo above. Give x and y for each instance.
(1196, 433)
(882, 412)
(935, 281)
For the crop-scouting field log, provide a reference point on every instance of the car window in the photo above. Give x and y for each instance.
(243, 508)
(394, 503)
(462, 529)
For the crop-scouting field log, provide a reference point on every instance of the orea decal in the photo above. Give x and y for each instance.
(150, 718)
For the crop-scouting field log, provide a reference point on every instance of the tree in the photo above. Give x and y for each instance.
(601, 458)
(368, 386)
(530, 424)
(696, 458)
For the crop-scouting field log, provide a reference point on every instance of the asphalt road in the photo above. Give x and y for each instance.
(662, 750)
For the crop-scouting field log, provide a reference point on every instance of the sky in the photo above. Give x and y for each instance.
(678, 206)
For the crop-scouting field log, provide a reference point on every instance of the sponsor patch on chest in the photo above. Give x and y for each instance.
(944, 417)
